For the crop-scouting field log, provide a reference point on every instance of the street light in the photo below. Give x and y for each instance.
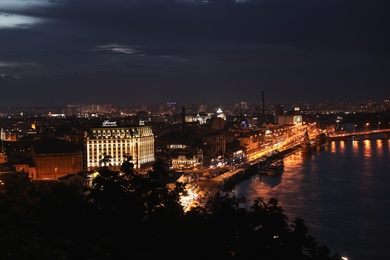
(379, 124)
(367, 126)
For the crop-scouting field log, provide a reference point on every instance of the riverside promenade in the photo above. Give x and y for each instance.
(214, 187)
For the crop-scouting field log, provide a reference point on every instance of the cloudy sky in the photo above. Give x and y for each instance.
(130, 52)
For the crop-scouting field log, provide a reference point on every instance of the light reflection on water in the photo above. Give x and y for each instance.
(342, 194)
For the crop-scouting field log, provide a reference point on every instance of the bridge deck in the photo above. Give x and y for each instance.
(362, 135)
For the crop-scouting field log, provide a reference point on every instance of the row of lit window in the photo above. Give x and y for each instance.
(96, 161)
(109, 136)
(108, 144)
(124, 151)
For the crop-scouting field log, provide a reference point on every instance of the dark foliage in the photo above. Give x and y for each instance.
(130, 216)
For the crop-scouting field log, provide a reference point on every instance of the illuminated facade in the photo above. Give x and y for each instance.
(186, 158)
(289, 120)
(53, 160)
(54, 165)
(111, 145)
(184, 162)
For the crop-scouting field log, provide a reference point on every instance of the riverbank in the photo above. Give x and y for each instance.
(252, 169)
(219, 187)
(339, 192)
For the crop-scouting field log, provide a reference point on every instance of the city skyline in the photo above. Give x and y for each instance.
(192, 51)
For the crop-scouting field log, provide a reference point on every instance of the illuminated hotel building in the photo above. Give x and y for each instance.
(110, 145)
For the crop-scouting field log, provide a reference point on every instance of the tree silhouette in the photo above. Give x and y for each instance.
(126, 215)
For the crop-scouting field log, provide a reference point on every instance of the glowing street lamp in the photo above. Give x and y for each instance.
(367, 126)
(379, 124)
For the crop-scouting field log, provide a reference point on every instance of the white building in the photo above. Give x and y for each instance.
(110, 145)
(289, 120)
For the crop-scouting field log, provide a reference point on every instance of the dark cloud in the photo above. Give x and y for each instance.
(194, 51)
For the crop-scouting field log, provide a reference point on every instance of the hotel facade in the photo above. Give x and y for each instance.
(110, 145)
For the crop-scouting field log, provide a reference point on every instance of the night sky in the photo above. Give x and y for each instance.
(132, 52)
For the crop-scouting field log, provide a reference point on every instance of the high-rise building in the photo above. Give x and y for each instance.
(202, 108)
(161, 109)
(172, 108)
(110, 145)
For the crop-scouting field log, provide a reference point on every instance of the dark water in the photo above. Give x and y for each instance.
(342, 193)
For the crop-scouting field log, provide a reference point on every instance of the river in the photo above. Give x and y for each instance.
(341, 192)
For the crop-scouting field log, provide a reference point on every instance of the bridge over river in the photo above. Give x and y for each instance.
(213, 186)
(361, 135)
